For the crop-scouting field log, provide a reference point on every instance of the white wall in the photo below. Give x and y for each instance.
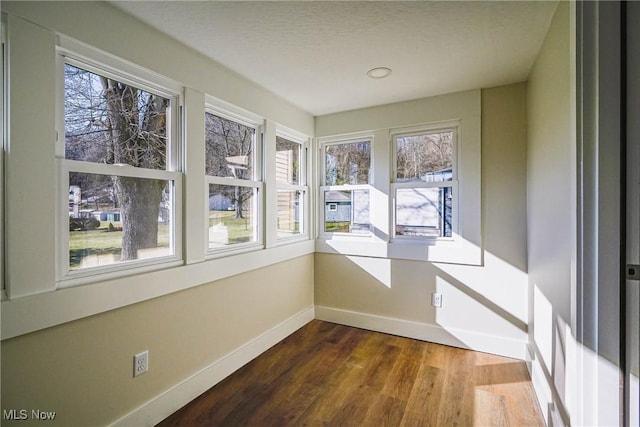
(573, 217)
(69, 350)
(551, 212)
(33, 32)
(484, 306)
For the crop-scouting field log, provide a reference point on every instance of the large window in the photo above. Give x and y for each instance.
(345, 197)
(233, 178)
(118, 171)
(291, 186)
(425, 184)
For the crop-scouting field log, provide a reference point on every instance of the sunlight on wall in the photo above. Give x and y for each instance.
(378, 268)
(543, 330)
(574, 384)
(498, 281)
(560, 356)
(634, 412)
(490, 301)
(463, 308)
(572, 393)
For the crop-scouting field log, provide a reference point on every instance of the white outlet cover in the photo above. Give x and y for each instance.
(140, 363)
(436, 300)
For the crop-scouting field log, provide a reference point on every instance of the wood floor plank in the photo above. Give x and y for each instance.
(332, 375)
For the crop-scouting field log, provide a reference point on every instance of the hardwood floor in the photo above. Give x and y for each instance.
(328, 374)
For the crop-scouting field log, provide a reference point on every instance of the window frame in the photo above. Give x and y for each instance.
(93, 61)
(229, 112)
(394, 186)
(323, 187)
(302, 186)
(4, 134)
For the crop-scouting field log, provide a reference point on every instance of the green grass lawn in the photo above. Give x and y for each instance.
(102, 242)
(337, 226)
(240, 230)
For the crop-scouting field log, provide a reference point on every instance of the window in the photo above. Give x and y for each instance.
(291, 188)
(232, 169)
(424, 186)
(345, 193)
(118, 171)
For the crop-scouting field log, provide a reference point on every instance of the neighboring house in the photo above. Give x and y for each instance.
(111, 216)
(337, 206)
(220, 202)
(347, 206)
(425, 211)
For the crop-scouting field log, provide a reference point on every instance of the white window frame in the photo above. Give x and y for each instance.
(229, 112)
(4, 59)
(453, 184)
(302, 186)
(82, 56)
(323, 188)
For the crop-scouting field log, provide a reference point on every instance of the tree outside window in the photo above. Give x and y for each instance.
(230, 165)
(424, 184)
(116, 144)
(345, 193)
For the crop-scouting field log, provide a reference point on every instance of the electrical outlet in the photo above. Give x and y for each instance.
(436, 300)
(140, 363)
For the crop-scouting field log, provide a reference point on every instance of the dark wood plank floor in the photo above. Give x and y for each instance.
(332, 375)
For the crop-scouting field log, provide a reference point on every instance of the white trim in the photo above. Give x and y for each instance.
(420, 129)
(426, 332)
(66, 305)
(166, 403)
(547, 399)
(66, 277)
(291, 134)
(66, 166)
(4, 135)
(236, 115)
(85, 55)
(99, 63)
(346, 138)
(226, 110)
(460, 110)
(233, 182)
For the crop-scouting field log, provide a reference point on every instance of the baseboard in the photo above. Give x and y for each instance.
(163, 405)
(426, 332)
(553, 411)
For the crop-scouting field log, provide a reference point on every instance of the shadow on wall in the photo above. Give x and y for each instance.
(484, 308)
(478, 302)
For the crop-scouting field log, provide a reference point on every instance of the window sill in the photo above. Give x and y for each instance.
(450, 250)
(73, 303)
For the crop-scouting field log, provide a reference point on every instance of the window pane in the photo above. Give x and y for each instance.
(106, 121)
(231, 215)
(229, 148)
(114, 219)
(423, 211)
(346, 211)
(426, 157)
(347, 163)
(289, 212)
(287, 161)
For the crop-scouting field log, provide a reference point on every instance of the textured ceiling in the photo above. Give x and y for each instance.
(317, 54)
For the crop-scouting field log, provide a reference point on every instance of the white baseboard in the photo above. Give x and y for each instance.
(165, 404)
(426, 332)
(551, 407)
